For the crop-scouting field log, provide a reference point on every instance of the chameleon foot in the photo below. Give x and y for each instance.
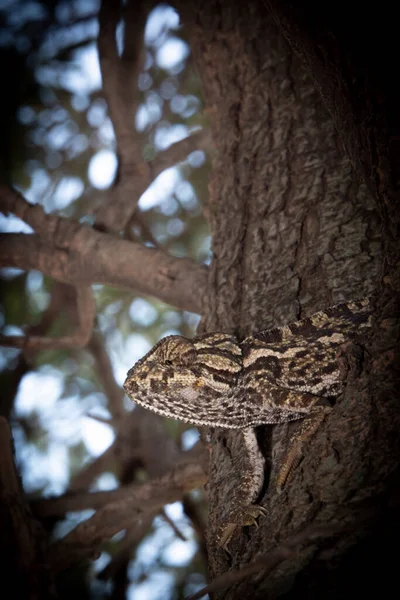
(241, 517)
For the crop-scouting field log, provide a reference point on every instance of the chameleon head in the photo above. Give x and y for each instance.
(189, 380)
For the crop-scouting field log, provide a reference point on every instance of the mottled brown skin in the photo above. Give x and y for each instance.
(272, 377)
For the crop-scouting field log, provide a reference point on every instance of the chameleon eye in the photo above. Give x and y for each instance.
(177, 351)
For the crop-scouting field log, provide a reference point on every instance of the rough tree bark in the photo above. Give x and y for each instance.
(302, 213)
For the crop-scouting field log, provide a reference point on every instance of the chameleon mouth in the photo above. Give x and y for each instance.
(201, 422)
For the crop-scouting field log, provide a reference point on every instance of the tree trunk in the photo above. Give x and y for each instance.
(299, 212)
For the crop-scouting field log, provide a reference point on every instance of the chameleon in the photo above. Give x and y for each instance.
(279, 375)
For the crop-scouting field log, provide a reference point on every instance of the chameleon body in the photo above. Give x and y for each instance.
(279, 375)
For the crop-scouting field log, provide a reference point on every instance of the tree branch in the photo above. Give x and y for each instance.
(103, 259)
(119, 77)
(60, 296)
(187, 475)
(105, 462)
(75, 253)
(86, 311)
(126, 449)
(125, 506)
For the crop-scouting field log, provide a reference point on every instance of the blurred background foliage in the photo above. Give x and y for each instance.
(57, 146)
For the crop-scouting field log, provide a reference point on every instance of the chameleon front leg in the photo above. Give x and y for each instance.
(244, 512)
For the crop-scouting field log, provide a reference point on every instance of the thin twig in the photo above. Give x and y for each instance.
(173, 526)
(146, 231)
(126, 547)
(176, 153)
(89, 473)
(112, 390)
(98, 418)
(61, 295)
(86, 310)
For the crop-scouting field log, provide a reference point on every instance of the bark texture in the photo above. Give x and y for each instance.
(297, 226)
